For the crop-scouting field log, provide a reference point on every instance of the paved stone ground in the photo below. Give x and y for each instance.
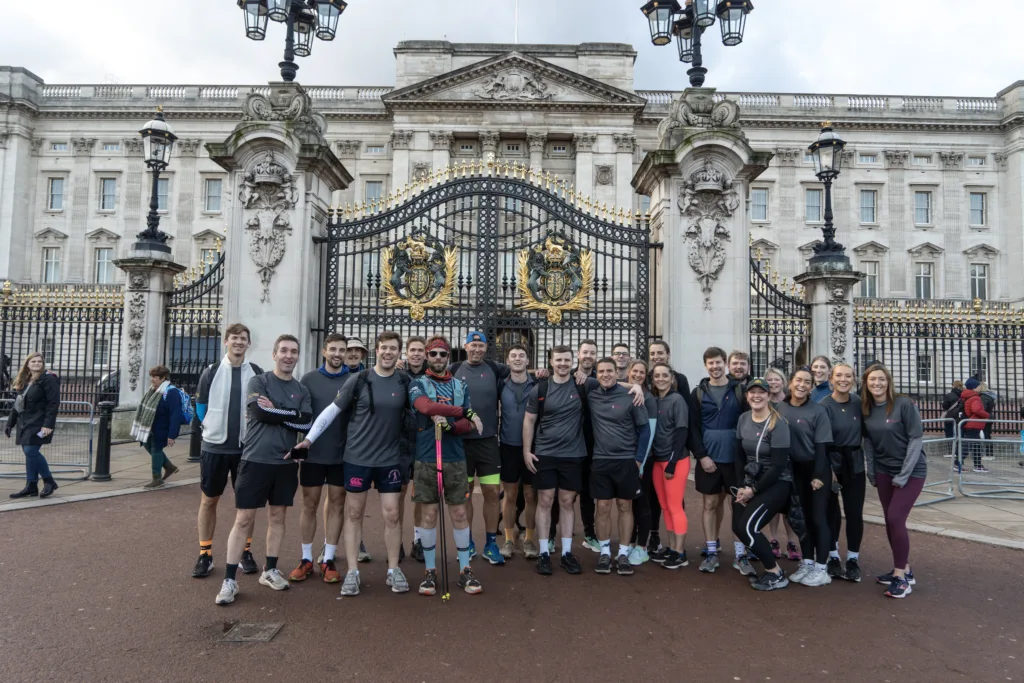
(101, 591)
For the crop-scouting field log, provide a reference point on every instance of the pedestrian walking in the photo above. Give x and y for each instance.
(977, 416)
(32, 421)
(157, 423)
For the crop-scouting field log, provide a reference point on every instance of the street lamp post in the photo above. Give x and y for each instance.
(305, 20)
(668, 18)
(157, 142)
(827, 153)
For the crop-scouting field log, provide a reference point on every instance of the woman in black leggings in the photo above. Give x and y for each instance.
(762, 465)
(810, 433)
(847, 461)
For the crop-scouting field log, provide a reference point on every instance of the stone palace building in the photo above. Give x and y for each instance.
(930, 203)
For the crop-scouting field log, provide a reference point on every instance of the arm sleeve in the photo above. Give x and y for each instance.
(915, 451)
(739, 463)
(695, 440)
(305, 420)
(174, 410)
(425, 406)
(201, 411)
(643, 438)
(273, 416)
(52, 390)
(821, 466)
(203, 393)
(869, 457)
(462, 426)
(678, 448)
(780, 456)
(323, 421)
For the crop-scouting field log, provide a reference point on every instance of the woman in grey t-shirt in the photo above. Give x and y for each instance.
(893, 447)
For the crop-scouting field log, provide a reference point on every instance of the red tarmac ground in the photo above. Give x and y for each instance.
(101, 591)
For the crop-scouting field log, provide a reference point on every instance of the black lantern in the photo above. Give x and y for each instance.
(305, 20)
(328, 14)
(827, 152)
(157, 142)
(305, 31)
(255, 18)
(703, 13)
(683, 30)
(733, 17)
(660, 15)
(278, 10)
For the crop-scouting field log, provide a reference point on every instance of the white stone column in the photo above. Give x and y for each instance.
(401, 170)
(537, 142)
(184, 217)
(829, 294)
(441, 143)
(625, 145)
(347, 150)
(583, 148)
(898, 232)
(489, 140)
(952, 228)
(75, 258)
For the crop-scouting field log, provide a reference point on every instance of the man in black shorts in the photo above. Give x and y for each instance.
(279, 407)
(553, 450)
(514, 473)
(622, 432)
(323, 466)
(220, 407)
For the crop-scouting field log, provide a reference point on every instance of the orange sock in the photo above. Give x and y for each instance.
(248, 544)
(206, 547)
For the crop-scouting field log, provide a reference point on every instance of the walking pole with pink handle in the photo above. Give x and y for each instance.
(441, 534)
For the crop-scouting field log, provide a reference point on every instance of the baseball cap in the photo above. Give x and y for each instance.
(760, 383)
(356, 343)
(476, 337)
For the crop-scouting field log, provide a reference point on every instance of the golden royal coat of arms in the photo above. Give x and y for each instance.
(418, 273)
(555, 276)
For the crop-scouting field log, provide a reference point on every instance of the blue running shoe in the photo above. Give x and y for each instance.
(492, 554)
(472, 548)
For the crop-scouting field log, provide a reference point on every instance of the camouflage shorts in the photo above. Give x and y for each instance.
(453, 474)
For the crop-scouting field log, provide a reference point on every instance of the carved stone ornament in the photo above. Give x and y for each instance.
(489, 140)
(706, 200)
(896, 158)
(286, 104)
(347, 148)
(418, 273)
(83, 146)
(536, 141)
(696, 108)
(951, 161)
(1001, 161)
(421, 169)
(441, 140)
(624, 143)
(604, 175)
(838, 293)
(513, 85)
(401, 139)
(136, 330)
(37, 144)
(556, 276)
(267, 194)
(787, 156)
(137, 281)
(132, 147)
(837, 331)
(583, 142)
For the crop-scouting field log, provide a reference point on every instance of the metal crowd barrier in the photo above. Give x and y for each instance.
(938, 486)
(992, 468)
(69, 455)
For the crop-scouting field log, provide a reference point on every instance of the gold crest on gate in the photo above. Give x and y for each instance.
(555, 277)
(418, 273)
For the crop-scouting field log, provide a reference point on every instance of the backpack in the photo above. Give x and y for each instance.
(955, 411)
(542, 394)
(363, 379)
(186, 411)
(499, 383)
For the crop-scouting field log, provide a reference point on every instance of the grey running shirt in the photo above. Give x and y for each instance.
(718, 393)
(845, 419)
(758, 442)
(329, 448)
(616, 421)
(808, 425)
(890, 435)
(269, 443)
(514, 397)
(561, 434)
(373, 439)
(671, 414)
(483, 387)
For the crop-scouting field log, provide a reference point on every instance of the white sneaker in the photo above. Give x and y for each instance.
(228, 591)
(397, 581)
(273, 578)
(350, 587)
(800, 573)
(817, 577)
(638, 555)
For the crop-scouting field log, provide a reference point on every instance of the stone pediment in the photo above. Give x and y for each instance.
(102, 235)
(870, 249)
(926, 249)
(49, 234)
(513, 81)
(981, 251)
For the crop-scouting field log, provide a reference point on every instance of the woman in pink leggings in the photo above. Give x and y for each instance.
(893, 448)
(671, 463)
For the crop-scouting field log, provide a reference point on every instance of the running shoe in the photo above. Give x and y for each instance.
(898, 588)
(417, 550)
(396, 579)
(469, 583)
(980, 469)
(571, 564)
(273, 578)
(742, 565)
(323, 552)
(350, 587)
(661, 555)
(835, 567)
(654, 543)
(704, 548)
(544, 564)
(852, 572)
(776, 550)
(591, 543)
(770, 581)
(803, 570)
(816, 577)
(508, 549)
(623, 566)
(204, 565)
(302, 572)
(604, 564)
(753, 558)
(429, 584)
(675, 560)
(472, 549)
(248, 564)
(363, 555)
(710, 563)
(886, 579)
(637, 556)
(793, 553)
(401, 552)
(228, 591)
(531, 550)
(329, 571)
(492, 554)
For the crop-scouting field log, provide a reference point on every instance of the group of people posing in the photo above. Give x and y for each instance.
(612, 432)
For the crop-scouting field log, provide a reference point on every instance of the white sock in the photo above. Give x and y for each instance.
(623, 550)
(738, 548)
(415, 534)
(807, 563)
(820, 567)
(566, 546)
(390, 571)
(543, 546)
(606, 547)
(850, 555)
(833, 554)
(307, 551)
(329, 552)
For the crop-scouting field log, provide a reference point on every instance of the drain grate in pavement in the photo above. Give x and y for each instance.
(252, 633)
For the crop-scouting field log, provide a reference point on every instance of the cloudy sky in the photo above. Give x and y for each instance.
(839, 46)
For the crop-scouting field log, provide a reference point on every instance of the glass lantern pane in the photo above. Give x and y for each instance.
(704, 12)
(278, 10)
(732, 26)
(826, 155)
(327, 20)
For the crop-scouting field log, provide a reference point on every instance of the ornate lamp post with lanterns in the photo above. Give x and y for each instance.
(305, 19)
(157, 142)
(827, 152)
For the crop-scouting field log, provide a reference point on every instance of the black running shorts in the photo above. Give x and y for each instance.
(261, 484)
(614, 479)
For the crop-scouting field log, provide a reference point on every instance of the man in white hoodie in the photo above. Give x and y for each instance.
(220, 405)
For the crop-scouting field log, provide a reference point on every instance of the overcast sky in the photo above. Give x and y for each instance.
(951, 47)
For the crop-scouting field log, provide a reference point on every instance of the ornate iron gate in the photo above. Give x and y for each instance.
(490, 247)
(779, 322)
(193, 316)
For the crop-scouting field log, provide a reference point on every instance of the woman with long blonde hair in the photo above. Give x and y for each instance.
(33, 420)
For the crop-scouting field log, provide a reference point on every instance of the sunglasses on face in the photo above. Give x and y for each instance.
(438, 354)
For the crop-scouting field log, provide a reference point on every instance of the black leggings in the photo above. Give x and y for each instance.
(644, 508)
(587, 500)
(854, 487)
(749, 519)
(818, 539)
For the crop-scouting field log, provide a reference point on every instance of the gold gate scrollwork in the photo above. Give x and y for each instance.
(555, 277)
(418, 273)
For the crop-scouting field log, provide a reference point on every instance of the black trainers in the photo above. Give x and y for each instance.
(654, 544)
(675, 560)
(852, 572)
(544, 564)
(469, 583)
(417, 551)
(886, 579)
(571, 564)
(834, 568)
(604, 564)
(204, 565)
(248, 564)
(623, 567)
(429, 584)
(660, 555)
(898, 588)
(770, 581)
(401, 553)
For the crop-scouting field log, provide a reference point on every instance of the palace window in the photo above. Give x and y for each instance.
(373, 190)
(59, 146)
(868, 206)
(922, 159)
(759, 204)
(975, 161)
(978, 208)
(812, 206)
(375, 149)
(108, 194)
(923, 276)
(979, 281)
(55, 191)
(100, 353)
(924, 368)
(922, 208)
(208, 257)
(111, 147)
(868, 158)
(979, 367)
(51, 265)
(103, 270)
(163, 186)
(869, 285)
(214, 190)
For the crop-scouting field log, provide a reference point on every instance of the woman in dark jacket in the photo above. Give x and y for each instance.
(33, 420)
(157, 422)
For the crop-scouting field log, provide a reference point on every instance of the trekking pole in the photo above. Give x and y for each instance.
(441, 533)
